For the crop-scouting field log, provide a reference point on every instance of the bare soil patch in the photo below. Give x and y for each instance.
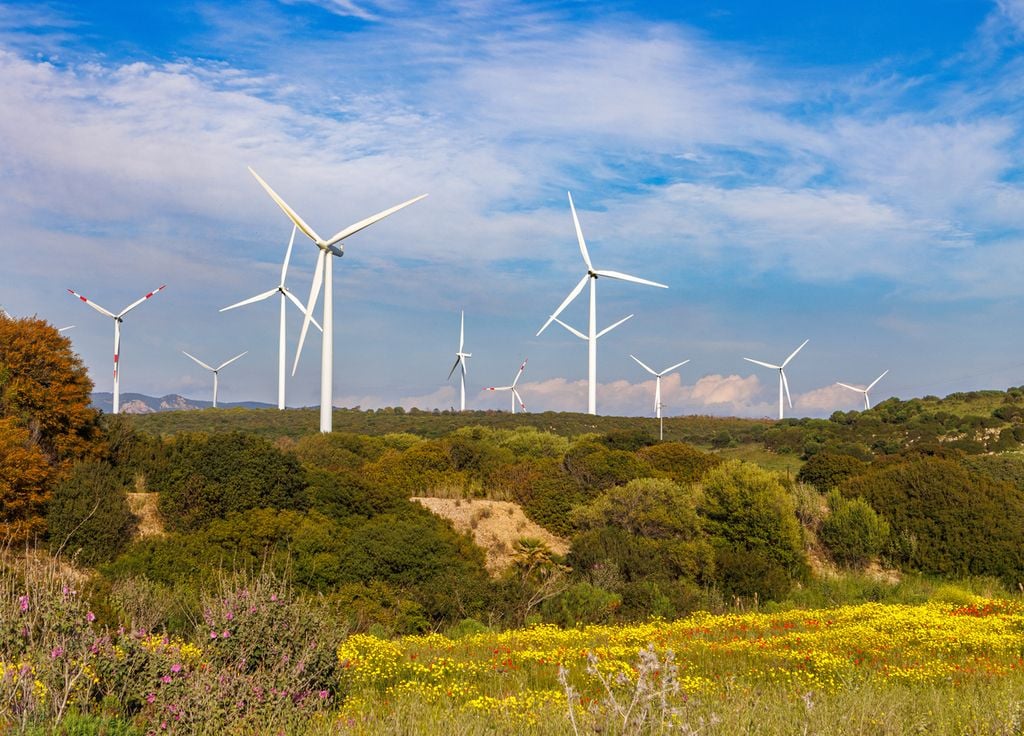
(496, 526)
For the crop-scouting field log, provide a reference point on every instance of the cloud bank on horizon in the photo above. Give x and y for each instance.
(786, 181)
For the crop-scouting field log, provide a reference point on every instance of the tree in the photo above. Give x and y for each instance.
(44, 388)
(24, 479)
(853, 532)
(88, 514)
(826, 470)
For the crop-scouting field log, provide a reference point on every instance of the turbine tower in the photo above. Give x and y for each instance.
(286, 295)
(323, 276)
(657, 390)
(118, 318)
(515, 394)
(216, 371)
(593, 335)
(783, 383)
(460, 360)
(867, 401)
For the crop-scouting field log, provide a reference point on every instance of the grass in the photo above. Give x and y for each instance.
(788, 464)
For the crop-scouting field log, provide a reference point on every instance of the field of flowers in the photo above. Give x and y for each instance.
(871, 668)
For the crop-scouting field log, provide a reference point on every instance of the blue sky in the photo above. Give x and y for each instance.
(844, 172)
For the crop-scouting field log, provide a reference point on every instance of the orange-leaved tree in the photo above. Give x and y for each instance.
(45, 420)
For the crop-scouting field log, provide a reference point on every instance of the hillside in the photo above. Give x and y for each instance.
(142, 404)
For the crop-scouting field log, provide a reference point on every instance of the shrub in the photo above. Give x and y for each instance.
(826, 470)
(853, 532)
(88, 516)
(582, 603)
(24, 484)
(208, 477)
(681, 462)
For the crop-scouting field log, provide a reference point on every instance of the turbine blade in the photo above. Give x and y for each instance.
(677, 365)
(229, 362)
(609, 328)
(198, 361)
(314, 294)
(785, 385)
(579, 234)
(643, 365)
(462, 330)
(852, 388)
(572, 295)
(766, 365)
(793, 354)
(521, 369)
(519, 399)
(353, 229)
(94, 305)
(252, 299)
(137, 302)
(877, 380)
(292, 215)
(297, 303)
(627, 277)
(573, 330)
(288, 255)
(454, 366)
(498, 388)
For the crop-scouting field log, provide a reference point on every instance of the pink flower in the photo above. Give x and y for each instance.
(23, 603)
(225, 634)
(90, 616)
(176, 667)
(229, 616)
(56, 652)
(323, 694)
(166, 679)
(150, 697)
(273, 597)
(213, 634)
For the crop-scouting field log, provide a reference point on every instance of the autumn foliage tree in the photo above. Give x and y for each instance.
(45, 421)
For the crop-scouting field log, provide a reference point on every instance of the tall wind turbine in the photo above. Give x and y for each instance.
(867, 402)
(657, 389)
(118, 318)
(323, 275)
(286, 295)
(216, 371)
(783, 383)
(460, 360)
(593, 335)
(515, 394)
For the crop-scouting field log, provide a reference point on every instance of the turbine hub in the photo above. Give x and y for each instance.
(335, 251)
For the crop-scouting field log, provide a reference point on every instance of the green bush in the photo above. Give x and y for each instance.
(826, 470)
(679, 461)
(853, 532)
(209, 477)
(88, 516)
(581, 603)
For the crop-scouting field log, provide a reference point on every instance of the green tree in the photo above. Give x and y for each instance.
(88, 516)
(826, 470)
(853, 532)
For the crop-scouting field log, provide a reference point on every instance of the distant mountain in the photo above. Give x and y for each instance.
(142, 404)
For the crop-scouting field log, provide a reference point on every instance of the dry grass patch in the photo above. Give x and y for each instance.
(496, 526)
(143, 505)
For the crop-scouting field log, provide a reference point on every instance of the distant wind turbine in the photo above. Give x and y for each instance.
(118, 318)
(867, 402)
(286, 294)
(460, 361)
(515, 394)
(783, 383)
(593, 335)
(65, 329)
(215, 371)
(323, 276)
(657, 389)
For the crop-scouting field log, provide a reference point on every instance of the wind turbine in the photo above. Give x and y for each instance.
(65, 329)
(593, 335)
(286, 294)
(783, 383)
(216, 371)
(323, 275)
(657, 389)
(515, 394)
(118, 318)
(867, 402)
(460, 360)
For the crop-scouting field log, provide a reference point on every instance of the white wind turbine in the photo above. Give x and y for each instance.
(783, 383)
(593, 335)
(657, 389)
(323, 275)
(216, 371)
(117, 335)
(867, 402)
(65, 329)
(515, 394)
(460, 360)
(286, 294)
